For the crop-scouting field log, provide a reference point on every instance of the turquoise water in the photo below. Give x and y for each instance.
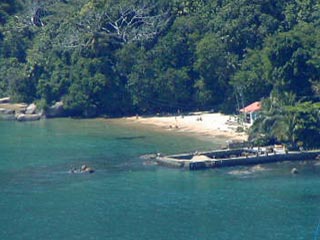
(128, 198)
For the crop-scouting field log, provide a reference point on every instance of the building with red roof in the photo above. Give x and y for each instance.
(251, 112)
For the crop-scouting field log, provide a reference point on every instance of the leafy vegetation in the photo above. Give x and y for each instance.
(285, 120)
(144, 56)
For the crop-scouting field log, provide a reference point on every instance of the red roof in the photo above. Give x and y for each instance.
(253, 107)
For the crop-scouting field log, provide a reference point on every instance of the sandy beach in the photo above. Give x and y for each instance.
(200, 124)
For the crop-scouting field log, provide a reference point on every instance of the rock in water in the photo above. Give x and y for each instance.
(28, 117)
(55, 110)
(6, 111)
(5, 100)
(294, 171)
(31, 109)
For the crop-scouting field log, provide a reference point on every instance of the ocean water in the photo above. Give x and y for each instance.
(131, 198)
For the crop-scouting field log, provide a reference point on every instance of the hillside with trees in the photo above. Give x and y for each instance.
(146, 56)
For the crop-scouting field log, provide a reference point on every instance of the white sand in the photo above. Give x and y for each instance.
(209, 124)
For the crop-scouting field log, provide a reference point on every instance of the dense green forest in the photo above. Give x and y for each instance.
(146, 56)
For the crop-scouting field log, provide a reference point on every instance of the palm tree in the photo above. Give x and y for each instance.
(285, 128)
(276, 121)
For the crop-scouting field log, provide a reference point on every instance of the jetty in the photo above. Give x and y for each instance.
(234, 157)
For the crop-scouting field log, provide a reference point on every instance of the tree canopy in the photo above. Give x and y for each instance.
(125, 57)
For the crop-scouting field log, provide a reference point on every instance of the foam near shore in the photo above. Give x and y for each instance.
(208, 124)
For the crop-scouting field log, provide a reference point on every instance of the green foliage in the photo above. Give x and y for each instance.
(7, 8)
(290, 56)
(122, 57)
(87, 92)
(251, 80)
(287, 121)
(215, 66)
(316, 87)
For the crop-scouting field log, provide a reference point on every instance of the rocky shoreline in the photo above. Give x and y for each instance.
(24, 112)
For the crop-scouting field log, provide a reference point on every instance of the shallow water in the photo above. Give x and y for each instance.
(128, 198)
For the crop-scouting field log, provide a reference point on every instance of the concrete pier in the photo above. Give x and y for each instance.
(229, 158)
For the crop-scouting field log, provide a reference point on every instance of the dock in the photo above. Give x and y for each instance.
(233, 157)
